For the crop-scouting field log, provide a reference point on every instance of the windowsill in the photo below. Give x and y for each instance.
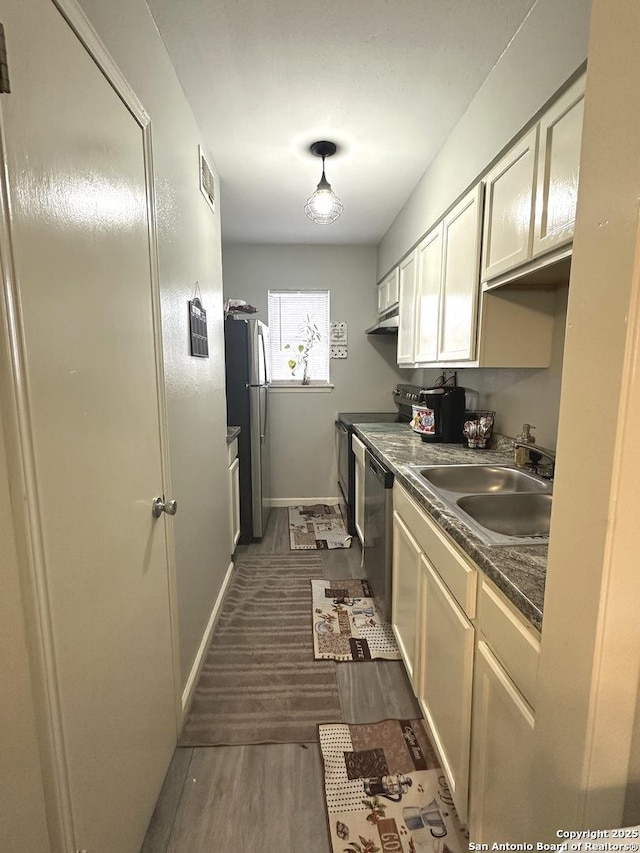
(298, 386)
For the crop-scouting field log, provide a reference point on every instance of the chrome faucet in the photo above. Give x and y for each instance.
(535, 454)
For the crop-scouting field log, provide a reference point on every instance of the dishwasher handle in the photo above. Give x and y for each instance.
(379, 471)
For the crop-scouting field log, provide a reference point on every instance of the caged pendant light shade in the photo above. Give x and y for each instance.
(324, 206)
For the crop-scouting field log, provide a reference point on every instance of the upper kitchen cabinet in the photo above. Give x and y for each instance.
(558, 170)
(388, 291)
(445, 320)
(446, 292)
(427, 303)
(407, 293)
(530, 198)
(459, 294)
(508, 217)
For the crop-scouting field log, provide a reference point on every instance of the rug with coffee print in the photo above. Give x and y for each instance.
(385, 791)
(318, 526)
(346, 624)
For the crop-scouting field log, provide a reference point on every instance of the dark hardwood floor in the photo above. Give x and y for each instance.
(269, 798)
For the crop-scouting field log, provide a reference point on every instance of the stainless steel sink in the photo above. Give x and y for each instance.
(482, 479)
(501, 505)
(516, 514)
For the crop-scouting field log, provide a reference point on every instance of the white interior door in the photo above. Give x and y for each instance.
(80, 237)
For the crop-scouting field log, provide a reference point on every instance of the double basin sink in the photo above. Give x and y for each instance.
(501, 505)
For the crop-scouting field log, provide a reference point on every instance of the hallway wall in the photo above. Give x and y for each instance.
(189, 252)
(302, 422)
(521, 395)
(518, 86)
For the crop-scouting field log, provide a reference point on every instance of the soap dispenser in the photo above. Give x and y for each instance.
(521, 456)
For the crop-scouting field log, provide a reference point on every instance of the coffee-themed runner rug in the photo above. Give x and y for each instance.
(385, 791)
(347, 625)
(317, 527)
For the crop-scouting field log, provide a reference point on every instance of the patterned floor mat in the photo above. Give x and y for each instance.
(385, 791)
(318, 526)
(346, 624)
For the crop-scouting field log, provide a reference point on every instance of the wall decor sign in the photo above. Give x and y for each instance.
(198, 329)
(338, 339)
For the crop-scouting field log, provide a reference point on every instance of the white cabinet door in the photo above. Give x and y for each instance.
(445, 680)
(234, 492)
(388, 291)
(460, 279)
(405, 598)
(558, 170)
(428, 295)
(407, 292)
(359, 451)
(508, 216)
(393, 288)
(359, 507)
(501, 756)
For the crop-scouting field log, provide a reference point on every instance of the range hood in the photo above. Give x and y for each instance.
(386, 325)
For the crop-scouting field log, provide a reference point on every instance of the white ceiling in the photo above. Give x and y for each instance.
(386, 80)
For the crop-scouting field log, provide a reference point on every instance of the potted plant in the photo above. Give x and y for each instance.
(309, 335)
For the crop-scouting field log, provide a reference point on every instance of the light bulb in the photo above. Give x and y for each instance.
(324, 206)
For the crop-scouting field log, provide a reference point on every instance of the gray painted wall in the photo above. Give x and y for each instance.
(302, 423)
(521, 395)
(189, 251)
(548, 48)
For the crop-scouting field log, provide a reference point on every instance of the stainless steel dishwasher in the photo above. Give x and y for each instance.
(378, 531)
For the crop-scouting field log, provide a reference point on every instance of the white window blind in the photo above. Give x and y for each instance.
(288, 311)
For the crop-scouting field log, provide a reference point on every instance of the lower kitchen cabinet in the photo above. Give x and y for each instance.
(472, 659)
(441, 669)
(504, 695)
(234, 495)
(501, 756)
(405, 599)
(445, 676)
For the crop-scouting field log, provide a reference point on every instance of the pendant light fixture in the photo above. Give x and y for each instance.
(324, 206)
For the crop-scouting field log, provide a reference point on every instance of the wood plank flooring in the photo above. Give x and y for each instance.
(270, 797)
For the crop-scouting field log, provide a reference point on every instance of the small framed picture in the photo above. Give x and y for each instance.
(198, 329)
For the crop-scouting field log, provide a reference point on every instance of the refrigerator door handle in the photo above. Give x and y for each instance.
(263, 332)
(263, 430)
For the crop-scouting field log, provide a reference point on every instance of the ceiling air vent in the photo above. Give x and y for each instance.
(207, 181)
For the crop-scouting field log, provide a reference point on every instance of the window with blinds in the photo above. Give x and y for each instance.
(290, 312)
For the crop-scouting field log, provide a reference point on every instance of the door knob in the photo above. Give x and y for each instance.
(159, 505)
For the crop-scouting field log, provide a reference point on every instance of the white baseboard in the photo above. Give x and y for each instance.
(304, 501)
(198, 663)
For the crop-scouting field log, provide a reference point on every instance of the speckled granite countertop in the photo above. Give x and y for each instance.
(518, 571)
(232, 432)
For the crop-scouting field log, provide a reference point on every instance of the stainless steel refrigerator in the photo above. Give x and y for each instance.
(247, 373)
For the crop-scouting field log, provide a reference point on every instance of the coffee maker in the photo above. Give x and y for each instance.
(444, 407)
(437, 413)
